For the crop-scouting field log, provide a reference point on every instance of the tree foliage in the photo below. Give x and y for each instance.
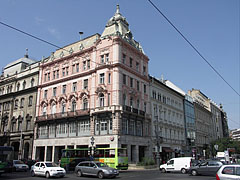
(224, 144)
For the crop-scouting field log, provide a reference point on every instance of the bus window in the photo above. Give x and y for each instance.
(112, 153)
(122, 152)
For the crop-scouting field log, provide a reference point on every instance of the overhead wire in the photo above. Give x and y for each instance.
(196, 50)
(40, 39)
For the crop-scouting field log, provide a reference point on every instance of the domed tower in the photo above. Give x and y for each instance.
(118, 26)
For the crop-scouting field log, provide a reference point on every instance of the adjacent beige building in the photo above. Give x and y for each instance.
(18, 94)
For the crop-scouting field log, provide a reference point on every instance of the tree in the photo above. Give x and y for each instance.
(224, 144)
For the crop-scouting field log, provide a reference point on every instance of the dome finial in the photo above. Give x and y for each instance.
(118, 9)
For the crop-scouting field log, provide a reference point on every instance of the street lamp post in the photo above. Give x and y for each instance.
(157, 142)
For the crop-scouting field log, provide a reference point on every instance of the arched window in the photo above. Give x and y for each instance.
(74, 105)
(24, 84)
(63, 107)
(18, 86)
(53, 110)
(124, 99)
(30, 101)
(101, 100)
(131, 101)
(85, 103)
(32, 82)
(44, 110)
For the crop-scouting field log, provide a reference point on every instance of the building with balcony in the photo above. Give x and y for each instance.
(95, 89)
(167, 119)
(18, 95)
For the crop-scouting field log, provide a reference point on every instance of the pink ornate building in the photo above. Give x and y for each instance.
(96, 87)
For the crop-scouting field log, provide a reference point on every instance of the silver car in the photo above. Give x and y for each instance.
(229, 171)
(95, 168)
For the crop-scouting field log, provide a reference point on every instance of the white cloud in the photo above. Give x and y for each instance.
(39, 20)
(54, 32)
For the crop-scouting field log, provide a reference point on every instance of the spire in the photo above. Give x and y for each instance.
(26, 55)
(118, 9)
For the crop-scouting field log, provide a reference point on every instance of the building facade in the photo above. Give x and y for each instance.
(167, 119)
(235, 134)
(217, 121)
(204, 124)
(18, 95)
(96, 90)
(190, 126)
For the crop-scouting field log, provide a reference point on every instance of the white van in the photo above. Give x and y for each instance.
(181, 164)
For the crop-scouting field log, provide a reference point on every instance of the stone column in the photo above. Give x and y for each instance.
(53, 153)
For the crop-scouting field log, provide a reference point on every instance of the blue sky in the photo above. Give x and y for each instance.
(211, 26)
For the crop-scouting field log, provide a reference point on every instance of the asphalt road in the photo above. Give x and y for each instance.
(124, 175)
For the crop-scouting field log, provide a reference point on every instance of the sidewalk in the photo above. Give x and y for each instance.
(135, 167)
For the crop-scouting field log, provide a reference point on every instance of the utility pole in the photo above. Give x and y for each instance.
(158, 139)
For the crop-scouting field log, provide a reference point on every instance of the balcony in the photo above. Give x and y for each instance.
(63, 115)
(133, 110)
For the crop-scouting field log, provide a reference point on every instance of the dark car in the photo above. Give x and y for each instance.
(95, 168)
(209, 167)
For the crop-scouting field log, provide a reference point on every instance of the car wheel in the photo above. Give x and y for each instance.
(100, 175)
(32, 173)
(79, 173)
(47, 175)
(183, 171)
(163, 170)
(194, 172)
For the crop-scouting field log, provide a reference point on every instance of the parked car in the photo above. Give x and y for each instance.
(19, 166)
(181, 164)
(229, 171)
(209, 167)
(95, 168)
(47, 169)
(29, 162)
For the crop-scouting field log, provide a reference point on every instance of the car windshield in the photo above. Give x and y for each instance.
(101, 165)
(51, 164)
(18, 162)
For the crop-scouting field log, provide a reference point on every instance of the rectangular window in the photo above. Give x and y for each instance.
(28, 125)
(131, 82)
(106, 57)
(124, 79)
(48, 76)
(101, 80)
(124, 59)
(102, 59)
(45, 78)
(66, 70)
(85, 84)
(77, 67)
(74, 87)
(54, 74)
(64, 89)
(131, 62)
(63, 72)
(125, 126)
(138, 86)
(84, 65)
(137, 66)
(57, 73)
(109, 78)
(88, 64)
(144, 70)
(45, 94)
(145, 88)
(54, 91)
(73, 68)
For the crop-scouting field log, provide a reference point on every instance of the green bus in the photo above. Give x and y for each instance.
(113, 157)
(71, 157)
(6, 159)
